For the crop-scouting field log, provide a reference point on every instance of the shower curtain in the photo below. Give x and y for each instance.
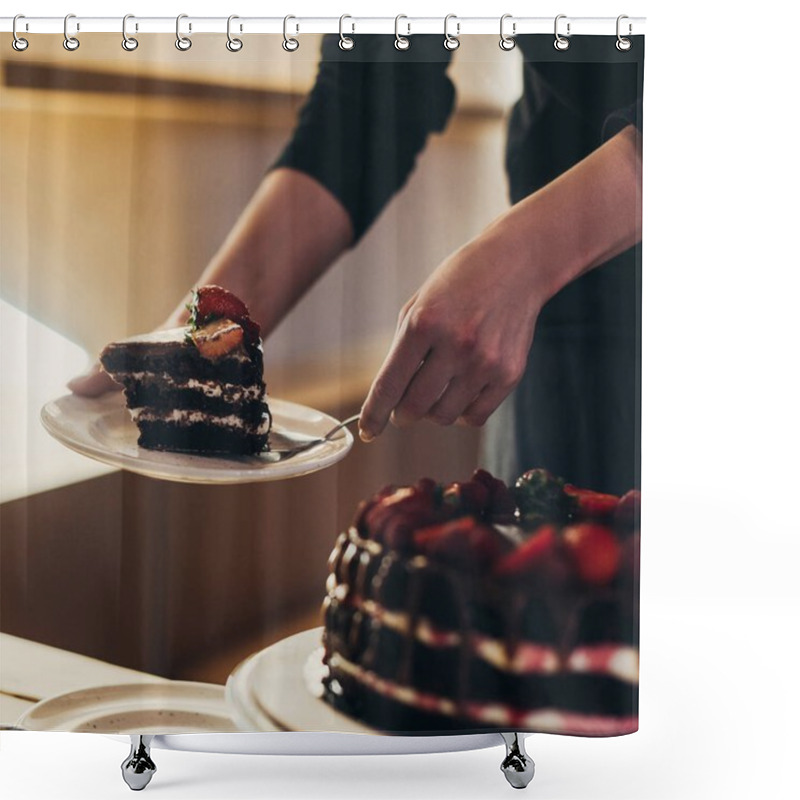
(442, 236)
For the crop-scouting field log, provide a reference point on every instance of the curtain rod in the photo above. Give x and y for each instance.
(349, 25)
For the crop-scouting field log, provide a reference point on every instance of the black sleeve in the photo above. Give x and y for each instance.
(367, 118)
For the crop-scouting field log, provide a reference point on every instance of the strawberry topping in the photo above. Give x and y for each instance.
(530, 555)
(594, 552)
(590, 504)
(211, 303)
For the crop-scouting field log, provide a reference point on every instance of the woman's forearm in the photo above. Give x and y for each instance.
(462, 341)
(583, 218)
(289, 233)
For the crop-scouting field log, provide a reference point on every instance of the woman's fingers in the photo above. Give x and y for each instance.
(94, 382)
(425, 388)
(390, 385)
(459, 395)
(484, 405)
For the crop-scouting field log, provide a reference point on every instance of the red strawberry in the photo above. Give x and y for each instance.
(502, 505)
(534, 552)
(628, 511)
(593, 551)
(403, 507)
(218, 338)
(462, 541)
(467, 498)
(214, 302)
(591, 504)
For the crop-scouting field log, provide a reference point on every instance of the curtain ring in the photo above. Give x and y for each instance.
(182, 42)
(71, 43)
(561, 42)
(401, 42)
(346, 42)
(129, 43)
(451, 42)
(289, 44)
(622, 43)
(18, 43)
(233, 44)
(507, 42)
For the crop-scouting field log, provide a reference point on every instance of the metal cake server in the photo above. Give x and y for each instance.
(284, 444)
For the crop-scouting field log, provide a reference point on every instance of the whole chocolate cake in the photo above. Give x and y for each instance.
(474, 606)
(197, 389)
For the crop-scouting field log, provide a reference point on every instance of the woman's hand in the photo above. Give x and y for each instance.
(462, 341)
(93, 383)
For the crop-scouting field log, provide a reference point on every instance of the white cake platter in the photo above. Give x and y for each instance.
(102, 429)
(280, 686)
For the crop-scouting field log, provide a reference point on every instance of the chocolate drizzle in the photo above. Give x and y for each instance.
(369, 583)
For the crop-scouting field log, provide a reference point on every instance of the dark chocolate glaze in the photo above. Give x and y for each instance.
(467, 604)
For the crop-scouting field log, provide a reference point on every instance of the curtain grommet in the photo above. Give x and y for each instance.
(623, 44)
(401, 42)
(507, 42)
(233, 44)
(561, 43)
(183, 43)
(346, 43)
(451, 42)
(71, 43)
(18, 43)
(290, 44)
(129, 43)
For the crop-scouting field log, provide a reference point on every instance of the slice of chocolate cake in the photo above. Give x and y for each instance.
(198, 389)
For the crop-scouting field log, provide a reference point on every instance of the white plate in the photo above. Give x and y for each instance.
(101, 428)
(169, 707)
(277, 686)
(281, 686)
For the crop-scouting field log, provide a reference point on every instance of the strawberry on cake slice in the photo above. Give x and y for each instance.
(200, 388)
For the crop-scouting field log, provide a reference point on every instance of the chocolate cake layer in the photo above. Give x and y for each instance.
(199, 438)
(179, 361)
(401, 710)
(231, 399)
(456, 673)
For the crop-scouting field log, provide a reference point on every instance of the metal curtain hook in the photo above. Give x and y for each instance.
(70, 42)
(182, 42)
(346, 42)
(18, 43)
(401, 42)
(233, 44)
(289, 44)
(129, 43)
(451, 42)
(622, 43)
(561, 43)
(507, 42)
